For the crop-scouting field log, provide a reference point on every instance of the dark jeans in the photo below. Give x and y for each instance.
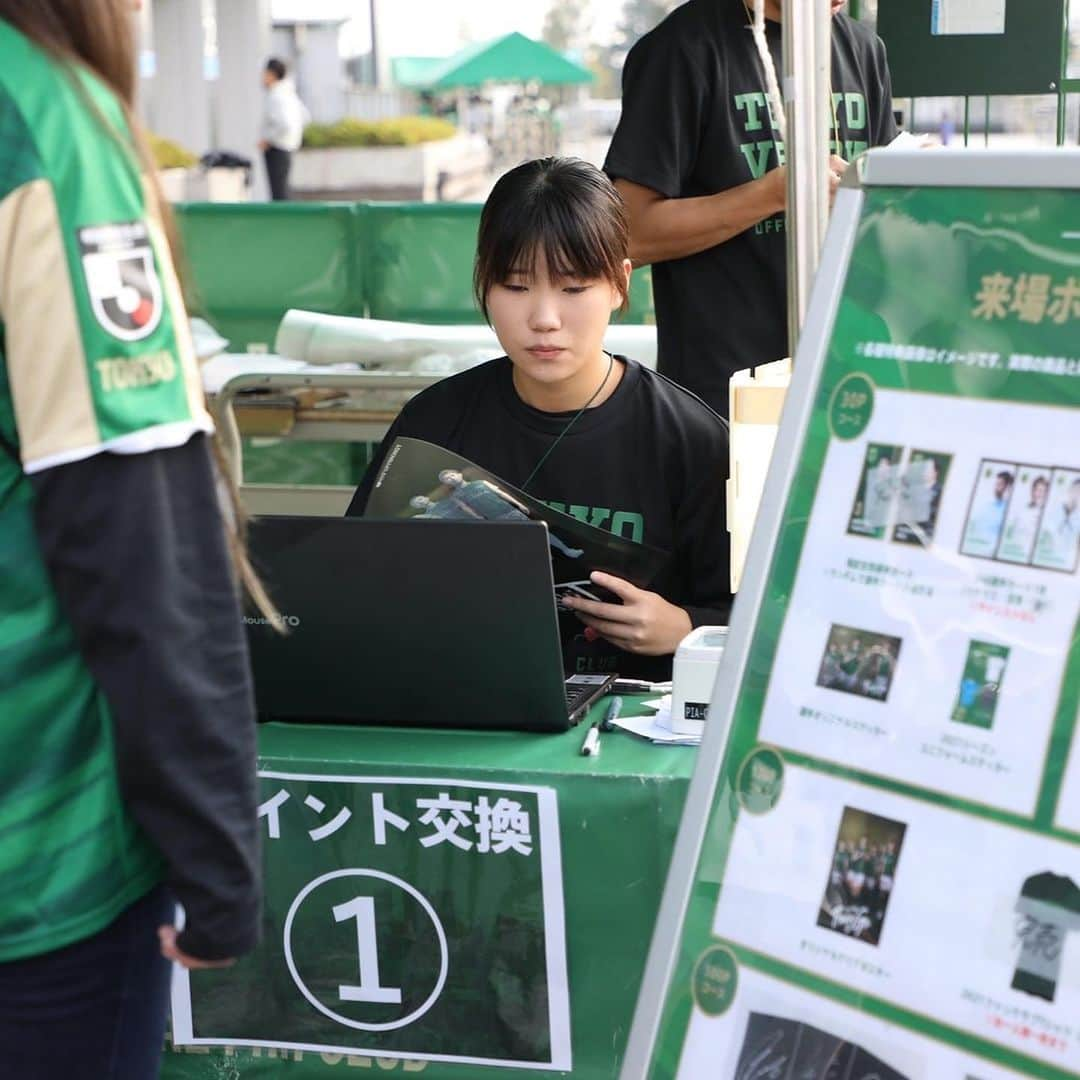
(94, 1010)
(278, 163)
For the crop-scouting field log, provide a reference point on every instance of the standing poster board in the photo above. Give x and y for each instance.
(878, 872)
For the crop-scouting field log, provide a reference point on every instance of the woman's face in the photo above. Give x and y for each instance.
(552, 328)
(1038, 492)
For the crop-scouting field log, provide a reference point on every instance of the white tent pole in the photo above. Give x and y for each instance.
(808, 104)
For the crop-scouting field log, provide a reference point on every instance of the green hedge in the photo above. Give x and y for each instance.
(170, 155)
(399, 131)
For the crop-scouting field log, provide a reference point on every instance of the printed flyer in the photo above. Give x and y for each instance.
(888, 879)
(427, 482)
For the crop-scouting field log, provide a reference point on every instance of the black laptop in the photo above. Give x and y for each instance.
(425, 623)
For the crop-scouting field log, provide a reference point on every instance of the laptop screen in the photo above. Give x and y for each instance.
(424, 623)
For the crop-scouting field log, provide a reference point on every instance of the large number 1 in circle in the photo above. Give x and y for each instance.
(370, 990)
(362, 908)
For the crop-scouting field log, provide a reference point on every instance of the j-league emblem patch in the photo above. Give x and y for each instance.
(125, 291)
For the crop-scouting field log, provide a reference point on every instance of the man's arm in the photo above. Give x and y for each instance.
(671, 91)
(663, 228)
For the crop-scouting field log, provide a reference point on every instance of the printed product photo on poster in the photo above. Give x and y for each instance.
(776, 1048)
(1024, 516)
(1047, 910)
(989, 504)
(778, 1030)
(921, 486)
(899, 494)
(980, 684)
(862, 875)
(1058, 545)
(877, 488)
(859, 662)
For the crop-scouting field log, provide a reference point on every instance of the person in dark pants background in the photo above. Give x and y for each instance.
(284, 116)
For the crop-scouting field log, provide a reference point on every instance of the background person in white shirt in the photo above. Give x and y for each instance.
(284, 117)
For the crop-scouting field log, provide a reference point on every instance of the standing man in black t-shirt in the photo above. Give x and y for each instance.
(699, 164)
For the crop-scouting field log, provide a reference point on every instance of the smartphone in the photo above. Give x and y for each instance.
(586, 590)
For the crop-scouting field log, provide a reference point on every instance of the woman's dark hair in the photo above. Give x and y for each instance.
(563, 207)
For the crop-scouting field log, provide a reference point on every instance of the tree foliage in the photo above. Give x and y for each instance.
(638, 18)
(565, 24)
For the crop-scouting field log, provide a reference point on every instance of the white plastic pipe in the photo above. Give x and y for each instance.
(808, 100)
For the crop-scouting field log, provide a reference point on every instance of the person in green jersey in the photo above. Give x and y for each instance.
(888, 869)
(127, 740)
(856, 877)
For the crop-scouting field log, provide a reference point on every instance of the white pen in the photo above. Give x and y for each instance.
(591, 745)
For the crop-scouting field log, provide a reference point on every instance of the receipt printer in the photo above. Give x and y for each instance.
(697, 660)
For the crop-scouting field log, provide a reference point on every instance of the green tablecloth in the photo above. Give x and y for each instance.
(618, 814)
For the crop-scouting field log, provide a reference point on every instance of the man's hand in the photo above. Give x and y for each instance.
(775, 182)
(643, 623)
(837, 167)
(167, 937)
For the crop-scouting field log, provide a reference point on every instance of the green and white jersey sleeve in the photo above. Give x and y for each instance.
(95, 353)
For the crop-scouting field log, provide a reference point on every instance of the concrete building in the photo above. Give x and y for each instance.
(200, 66)
(310, 44)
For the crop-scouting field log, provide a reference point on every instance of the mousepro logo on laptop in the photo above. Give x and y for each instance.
(279, 621)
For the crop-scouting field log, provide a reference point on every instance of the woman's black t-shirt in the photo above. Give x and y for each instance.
(648, 464)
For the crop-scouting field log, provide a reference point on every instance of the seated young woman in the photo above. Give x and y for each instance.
(594, 434)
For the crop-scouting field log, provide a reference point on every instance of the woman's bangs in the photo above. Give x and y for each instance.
(570, 247)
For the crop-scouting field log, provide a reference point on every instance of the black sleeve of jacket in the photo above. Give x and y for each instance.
(136, 551)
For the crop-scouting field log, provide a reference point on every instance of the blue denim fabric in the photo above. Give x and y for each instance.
(94, 1010)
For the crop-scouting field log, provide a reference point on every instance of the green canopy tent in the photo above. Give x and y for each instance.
(513, 58)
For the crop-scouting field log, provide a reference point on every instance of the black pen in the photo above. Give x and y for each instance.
(612, 712)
